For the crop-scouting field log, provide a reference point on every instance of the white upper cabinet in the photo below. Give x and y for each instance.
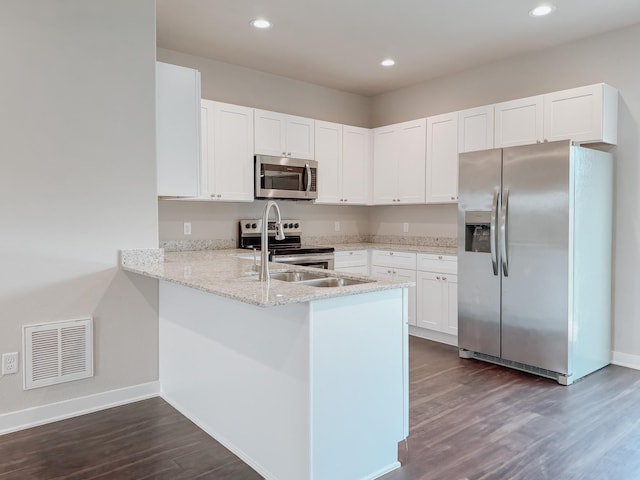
(475, 129)
(442, 158)
(518, 122)
(329, 157)
(177, 130)
(356, 165)
(279, 134)
(399, 163)
(585, 115)
(227, 152)
(343, 156)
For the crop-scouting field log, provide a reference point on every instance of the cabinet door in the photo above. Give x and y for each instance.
(518, 122)
(328, 154)
(231, 166)
(403, 274)
(475, 129)
(270, 128)
(385, 171)
(442, 158)
(574, 114)
(356, 165)
(177, 130)
(411, 161)
(431, 307)
(451, 325)
(299, 137)
(410, 276)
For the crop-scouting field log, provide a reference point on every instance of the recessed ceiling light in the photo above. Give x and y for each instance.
(542, 10)
(389, 62)
(261, 23)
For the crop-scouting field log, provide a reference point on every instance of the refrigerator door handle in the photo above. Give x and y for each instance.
(504, 231)
(493, 231)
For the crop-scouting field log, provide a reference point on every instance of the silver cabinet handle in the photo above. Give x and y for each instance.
(289, 153)
(219, 195)
(493, 239)
(504, 231)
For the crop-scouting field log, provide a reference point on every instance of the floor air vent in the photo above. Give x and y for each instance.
(57, 352)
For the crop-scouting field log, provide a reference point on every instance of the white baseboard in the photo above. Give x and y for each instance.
(433, 335)
(625, 360)
(52, 412)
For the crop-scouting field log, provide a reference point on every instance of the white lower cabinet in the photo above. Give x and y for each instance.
(352, 261)
(437, 293)
(398, 265)
(437, 302)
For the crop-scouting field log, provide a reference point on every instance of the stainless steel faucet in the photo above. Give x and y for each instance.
(264, 243)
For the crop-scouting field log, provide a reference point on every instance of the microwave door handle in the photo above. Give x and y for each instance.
(308, 170)
(493, 232)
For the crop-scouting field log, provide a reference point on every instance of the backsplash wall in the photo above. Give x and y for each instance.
(219, 221)
(213, 220)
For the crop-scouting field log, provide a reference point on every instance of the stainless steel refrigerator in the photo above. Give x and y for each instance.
(534, 258)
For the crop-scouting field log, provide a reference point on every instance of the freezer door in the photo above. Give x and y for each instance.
(535, 231)
(478, 260)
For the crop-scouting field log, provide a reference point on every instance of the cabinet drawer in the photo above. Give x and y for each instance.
(351, 258)
(429, 262)
(388, 258)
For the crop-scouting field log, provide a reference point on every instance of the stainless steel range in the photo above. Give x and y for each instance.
(288, 250)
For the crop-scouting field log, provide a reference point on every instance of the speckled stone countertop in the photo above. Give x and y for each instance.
(220, 273)
(436, 250)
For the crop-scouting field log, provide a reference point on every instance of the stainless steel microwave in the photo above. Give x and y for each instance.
(287, 178)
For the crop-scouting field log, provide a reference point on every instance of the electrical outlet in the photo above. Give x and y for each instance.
(9, 363)
(337, 226)
(187, 228)
(405, 227)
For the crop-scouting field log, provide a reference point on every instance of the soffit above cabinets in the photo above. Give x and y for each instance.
(340, 44)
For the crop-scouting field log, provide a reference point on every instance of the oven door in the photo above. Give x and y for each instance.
(283, 177)
(316, 260)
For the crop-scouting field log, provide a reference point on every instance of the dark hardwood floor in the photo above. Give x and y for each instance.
(469, 421)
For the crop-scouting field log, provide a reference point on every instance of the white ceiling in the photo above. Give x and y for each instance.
(340, 43)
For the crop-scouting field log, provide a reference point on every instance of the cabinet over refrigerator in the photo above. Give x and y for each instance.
(534, 258)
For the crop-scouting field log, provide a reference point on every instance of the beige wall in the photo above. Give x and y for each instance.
(610, 58)
(211, 220)
(77, 183)
(242, 86)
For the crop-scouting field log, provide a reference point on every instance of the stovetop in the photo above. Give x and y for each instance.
(251, 231)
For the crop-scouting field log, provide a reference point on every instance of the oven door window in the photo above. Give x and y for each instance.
(281, 177)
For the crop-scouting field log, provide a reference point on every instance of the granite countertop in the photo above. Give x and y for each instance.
(220, 273)
(436, 250)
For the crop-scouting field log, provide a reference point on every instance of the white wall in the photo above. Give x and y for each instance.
(77, 183)
(243, 86)
(611, 58)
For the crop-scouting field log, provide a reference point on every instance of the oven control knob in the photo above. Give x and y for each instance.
(296, 225)
(254, 225)
(290, 225)
(248, 225)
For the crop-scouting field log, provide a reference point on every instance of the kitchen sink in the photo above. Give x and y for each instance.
(315, 279)
(294, 276)
(334, 282)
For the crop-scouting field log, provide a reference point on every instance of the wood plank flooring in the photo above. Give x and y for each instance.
(469, 421)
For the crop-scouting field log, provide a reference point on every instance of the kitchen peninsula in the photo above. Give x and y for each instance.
(300, 381)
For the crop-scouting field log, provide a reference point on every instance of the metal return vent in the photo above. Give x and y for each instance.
(57, 352)
(558, 377)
